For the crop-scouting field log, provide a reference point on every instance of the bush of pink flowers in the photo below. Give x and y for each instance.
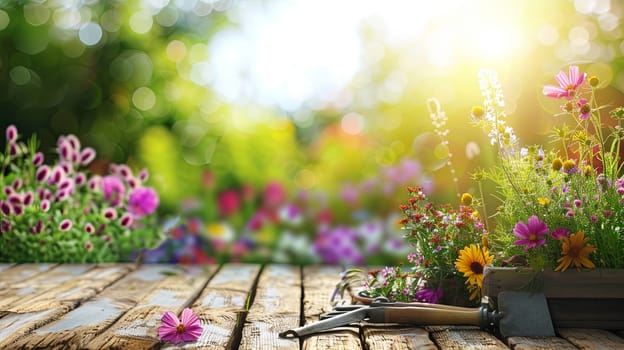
(61, 213)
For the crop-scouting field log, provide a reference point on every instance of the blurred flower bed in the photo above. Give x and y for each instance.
(355, 225)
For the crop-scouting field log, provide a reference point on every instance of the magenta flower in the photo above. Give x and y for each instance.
(113, 189)
(176, 331)
(568, 83)
(429, 295)
(532, 233)
(560, 233)
(143, 201)
(584, 108)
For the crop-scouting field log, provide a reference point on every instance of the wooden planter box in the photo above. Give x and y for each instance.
(576, 299)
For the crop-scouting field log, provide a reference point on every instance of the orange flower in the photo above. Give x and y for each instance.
(575, 250)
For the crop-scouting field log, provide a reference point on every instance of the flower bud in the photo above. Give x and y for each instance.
(45, 205)
(37, 159)
(11, 134)
(594, 81)
(477, 112)
(89, 246)
(466, 199)
(65, 225)
(87, 156)
(126, 220)
(42, 173)
(110, 213)
(5, 208)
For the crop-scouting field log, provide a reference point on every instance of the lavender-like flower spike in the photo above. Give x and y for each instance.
(494, 121)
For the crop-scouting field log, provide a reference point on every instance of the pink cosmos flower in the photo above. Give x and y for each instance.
(176, 331)
(143, 201)
(532, 233)
(567, 84)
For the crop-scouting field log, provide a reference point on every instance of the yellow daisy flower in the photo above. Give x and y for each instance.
(471, 262)
(575, 250)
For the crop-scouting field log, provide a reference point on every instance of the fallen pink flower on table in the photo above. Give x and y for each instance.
(176, 331)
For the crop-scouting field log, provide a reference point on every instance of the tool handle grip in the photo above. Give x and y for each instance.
(431, 316)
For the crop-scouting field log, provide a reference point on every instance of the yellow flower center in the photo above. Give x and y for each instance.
(180, 328)
(532, 237)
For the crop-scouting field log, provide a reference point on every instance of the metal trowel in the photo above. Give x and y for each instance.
(518, 314)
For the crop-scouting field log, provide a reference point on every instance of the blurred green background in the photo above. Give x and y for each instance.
(327, 99)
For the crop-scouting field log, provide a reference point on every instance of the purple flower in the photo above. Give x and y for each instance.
(532, 233)
(89, 228)
(176, 331)
(65, 225)
(113, 189)
(143, 201)
(429, 295)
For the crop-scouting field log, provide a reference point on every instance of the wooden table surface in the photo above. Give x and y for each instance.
(242, 306)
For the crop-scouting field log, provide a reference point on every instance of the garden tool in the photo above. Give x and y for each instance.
(518, 314)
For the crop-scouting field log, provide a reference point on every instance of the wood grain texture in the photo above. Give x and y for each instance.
(24, 317)
(222, 306)
(318, 286)
(79, 326)
(137, 328)
(400, 338)
(466, 338)
(21, 273)
(539, 343)
(591, 339)
(24, 290)
(276, 307)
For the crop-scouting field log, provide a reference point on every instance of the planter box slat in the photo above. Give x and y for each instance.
(577, 299)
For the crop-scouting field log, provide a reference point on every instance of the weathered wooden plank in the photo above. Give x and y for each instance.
(137, 328)
(222, 306)
(22, 291)
(53, 303)
(78, 327)
(276, 307)
(318, 285)
(591, 339)
(74, 290)
(390, 338)
(460, 337)
(539, 343)
(5, 266)
(22, 272)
